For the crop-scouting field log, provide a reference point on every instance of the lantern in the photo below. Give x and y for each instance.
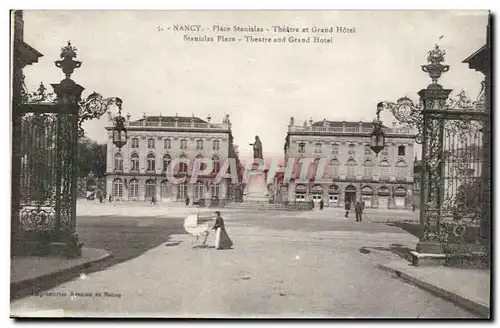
(119, 131)
(377, 137)
(377, 142)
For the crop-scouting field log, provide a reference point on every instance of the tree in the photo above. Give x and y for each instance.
(91, 158)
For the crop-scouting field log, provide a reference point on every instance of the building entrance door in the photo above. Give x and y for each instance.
(350, 196)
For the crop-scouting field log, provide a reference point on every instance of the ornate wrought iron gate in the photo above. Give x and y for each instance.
(48, 171)
(47, 132)
(453, 180)
(455, 165)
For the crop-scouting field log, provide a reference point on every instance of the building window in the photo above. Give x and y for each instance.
(300, 192)
(199, 191)
(368, 150)
(202, 165)
(216, 145)
(385, 151)
(351, 168)
(135, 142)
(134, 188)
(151, 162)
(335, 149)
(183, 166)
(384, 170)
(150, 188)
(134, 162)
(401, 170)
(351, 150)
(216, 164)
(215, 190)
(167, 143)
(401, 150)
(199, 144)
(166, 162)
(302, 147)
(335, 167)
(184, 144)
(181, 191)
(317, 148)
(118, 188)
(151, 143)
(368, 169)
(118, 162)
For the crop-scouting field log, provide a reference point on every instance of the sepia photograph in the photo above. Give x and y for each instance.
(293, 164)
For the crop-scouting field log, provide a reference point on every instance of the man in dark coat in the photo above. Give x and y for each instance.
(359, 211)
(321, 204)
(347, 208)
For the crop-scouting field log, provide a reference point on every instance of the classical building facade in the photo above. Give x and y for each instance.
(139, 171)
(352, 171)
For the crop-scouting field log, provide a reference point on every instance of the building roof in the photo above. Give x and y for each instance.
(338, 124)
(180, 119)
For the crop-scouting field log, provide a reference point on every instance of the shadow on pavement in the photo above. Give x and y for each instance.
(124, 242)
(398, 249)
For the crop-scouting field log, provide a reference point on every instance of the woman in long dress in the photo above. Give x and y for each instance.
(222, 240)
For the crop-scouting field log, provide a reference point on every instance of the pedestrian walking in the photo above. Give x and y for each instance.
(347, 208)
(187, 200)
(321, 204)
(110, 198)
(359, 211)
(222, 240)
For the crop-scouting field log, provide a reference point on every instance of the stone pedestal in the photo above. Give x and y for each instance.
(256, 190)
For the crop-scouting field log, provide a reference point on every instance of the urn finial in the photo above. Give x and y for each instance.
(435, 67)
(67, 64)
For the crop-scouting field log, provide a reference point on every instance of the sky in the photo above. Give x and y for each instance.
(132, 55)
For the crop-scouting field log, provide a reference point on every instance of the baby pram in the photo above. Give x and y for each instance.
(198, 226)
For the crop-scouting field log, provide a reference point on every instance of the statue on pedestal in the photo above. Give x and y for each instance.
(257, 148)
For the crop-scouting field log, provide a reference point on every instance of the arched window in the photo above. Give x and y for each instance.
(351, 168)
(166, 162)
(151, 162)
(118, 162)
(400, 170)
(199, 164)
(333, 189)
(384, 170)
(150, 188)
(118, 188)
(368, 169)
(183, 166)
(134, 162)
(300, 192)
(134, 188)
(216, 163)
(165, 189)
(335, 168)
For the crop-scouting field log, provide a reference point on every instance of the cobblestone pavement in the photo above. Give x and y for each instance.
(279, 267)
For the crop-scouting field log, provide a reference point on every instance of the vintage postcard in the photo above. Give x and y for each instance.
(251, 164)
